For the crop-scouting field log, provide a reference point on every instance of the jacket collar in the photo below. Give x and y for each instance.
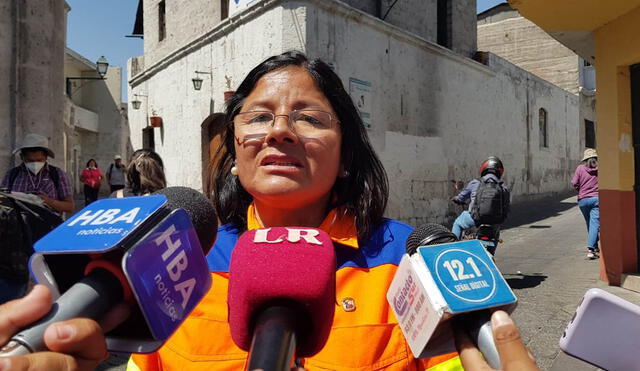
(339, 225)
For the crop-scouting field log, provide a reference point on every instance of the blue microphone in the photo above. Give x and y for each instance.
(142, 250)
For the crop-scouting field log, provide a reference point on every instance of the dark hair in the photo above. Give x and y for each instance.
(364, 192)
(592, 162)
(145, 172)
(88, 162)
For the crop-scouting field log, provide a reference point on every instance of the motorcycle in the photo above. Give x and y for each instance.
(487, 234)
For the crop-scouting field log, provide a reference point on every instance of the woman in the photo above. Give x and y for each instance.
(145, 174)
(585, 181)
(296, 153)
(91, 177)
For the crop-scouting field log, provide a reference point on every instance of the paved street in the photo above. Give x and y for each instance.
(543, 257)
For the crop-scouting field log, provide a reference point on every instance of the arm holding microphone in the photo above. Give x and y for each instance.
(99, 295)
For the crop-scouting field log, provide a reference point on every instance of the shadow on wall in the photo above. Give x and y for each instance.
(529, 212)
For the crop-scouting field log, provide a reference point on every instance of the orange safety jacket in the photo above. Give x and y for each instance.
(364, 336)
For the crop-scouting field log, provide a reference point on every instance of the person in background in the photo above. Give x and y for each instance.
(585, 181)
(490, 170)
(91, 177)
(19, 229)
(116, 174)
(36, 176)
(145, 174)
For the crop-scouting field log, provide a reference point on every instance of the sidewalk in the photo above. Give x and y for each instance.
(543, 258)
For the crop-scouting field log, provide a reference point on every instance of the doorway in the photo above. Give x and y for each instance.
(211, 133)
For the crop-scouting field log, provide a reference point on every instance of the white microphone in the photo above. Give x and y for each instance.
(440, 277)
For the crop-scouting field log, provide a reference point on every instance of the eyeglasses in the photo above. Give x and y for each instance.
(304, 123)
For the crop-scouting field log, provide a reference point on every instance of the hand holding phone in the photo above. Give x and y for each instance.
(604, 331)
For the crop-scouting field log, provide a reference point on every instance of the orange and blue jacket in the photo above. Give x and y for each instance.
(364, 336)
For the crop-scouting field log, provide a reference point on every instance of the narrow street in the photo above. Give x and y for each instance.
(543, 257)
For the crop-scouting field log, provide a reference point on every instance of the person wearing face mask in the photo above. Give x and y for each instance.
(36, 176)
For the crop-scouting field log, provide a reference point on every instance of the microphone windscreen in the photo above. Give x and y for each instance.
(429, 234)
(295, 265)
(201, 212)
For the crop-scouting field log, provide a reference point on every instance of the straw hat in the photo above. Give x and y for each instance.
(35, 141)
(588, 153)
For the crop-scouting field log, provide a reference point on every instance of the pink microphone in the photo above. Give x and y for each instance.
(281, 294)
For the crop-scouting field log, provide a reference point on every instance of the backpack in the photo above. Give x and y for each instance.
(53, 174)
(21, 224)
(491, 204)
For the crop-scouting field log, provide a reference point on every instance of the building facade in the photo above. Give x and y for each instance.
(82, 118)
(504, 32)
(432, 112)
(95, 122)
(605, 34)
(31, 74)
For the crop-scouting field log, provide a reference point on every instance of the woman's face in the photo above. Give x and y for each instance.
(285, 170)
(92, 163)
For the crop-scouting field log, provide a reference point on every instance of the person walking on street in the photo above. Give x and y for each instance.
(91, 176)
(116, 174)
(585, 181)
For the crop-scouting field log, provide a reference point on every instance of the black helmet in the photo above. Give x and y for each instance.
(492, 165)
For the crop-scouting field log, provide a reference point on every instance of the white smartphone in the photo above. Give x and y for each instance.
(604, 331)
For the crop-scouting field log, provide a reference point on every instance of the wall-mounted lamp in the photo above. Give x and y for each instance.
(197, 81)
(135, 103)
(101, 68)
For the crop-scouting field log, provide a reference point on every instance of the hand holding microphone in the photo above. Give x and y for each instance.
(76, 344)
(163, 272)
(514, 356)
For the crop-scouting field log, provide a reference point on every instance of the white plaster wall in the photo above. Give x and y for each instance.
(435, 114)
(183, 109)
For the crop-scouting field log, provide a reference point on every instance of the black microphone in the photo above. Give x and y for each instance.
(147, 251)
(477, 323)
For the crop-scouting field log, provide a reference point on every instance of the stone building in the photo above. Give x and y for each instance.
(82, 118)
(504, 32)
(95, 122)
(432, 112)
(606, 34)
(32, 39)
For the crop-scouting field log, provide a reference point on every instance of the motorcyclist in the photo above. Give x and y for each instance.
(491, 168)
